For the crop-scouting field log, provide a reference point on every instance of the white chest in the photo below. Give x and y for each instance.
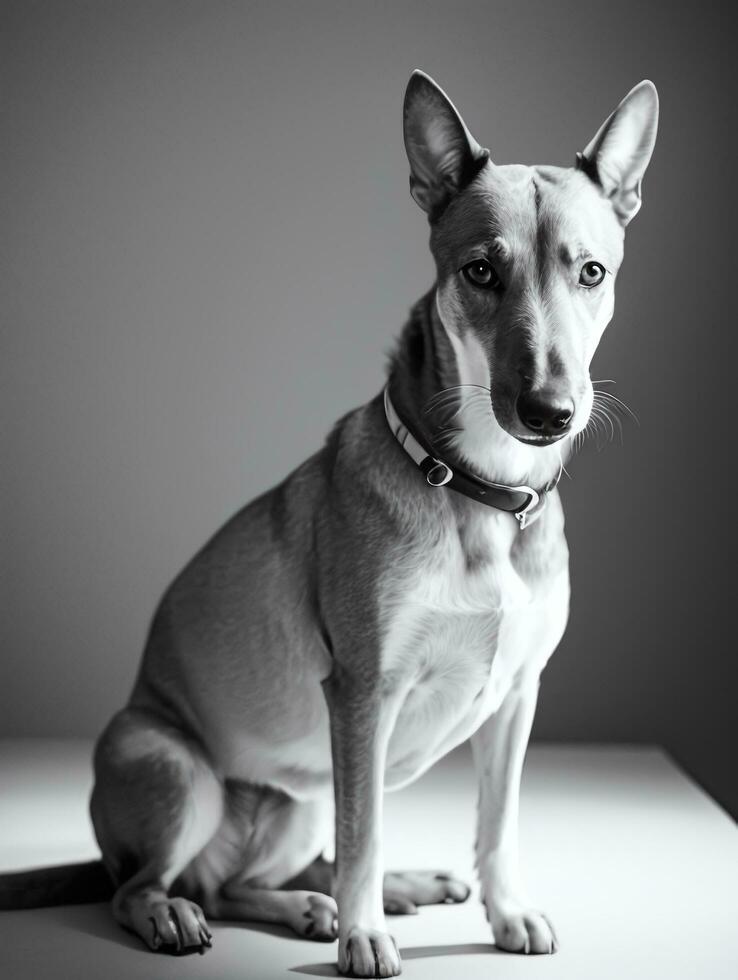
(456, 634)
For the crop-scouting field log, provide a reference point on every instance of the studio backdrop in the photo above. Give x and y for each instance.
(208, 247)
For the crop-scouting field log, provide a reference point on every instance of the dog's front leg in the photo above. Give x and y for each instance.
(499, 749)
(360, 729)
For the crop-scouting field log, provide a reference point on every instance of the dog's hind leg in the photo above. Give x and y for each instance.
(156, 803)
(275, 835)
(402, 891)
(311, 914)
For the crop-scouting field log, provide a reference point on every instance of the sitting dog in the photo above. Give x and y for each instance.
(398, 593)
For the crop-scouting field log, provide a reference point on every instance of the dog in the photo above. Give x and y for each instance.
(399, 593)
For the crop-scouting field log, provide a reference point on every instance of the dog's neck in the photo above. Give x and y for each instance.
(460, 424)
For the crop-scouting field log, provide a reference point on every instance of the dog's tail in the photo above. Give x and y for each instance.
(68, 884)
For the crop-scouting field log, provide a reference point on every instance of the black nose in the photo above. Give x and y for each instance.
(545, 414)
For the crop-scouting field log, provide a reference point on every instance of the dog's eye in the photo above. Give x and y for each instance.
(592, 274)
(480, 273)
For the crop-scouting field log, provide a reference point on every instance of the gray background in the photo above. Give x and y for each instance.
(208, 246)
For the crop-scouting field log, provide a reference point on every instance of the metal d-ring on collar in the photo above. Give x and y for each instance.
(443, 475)
(439, 474)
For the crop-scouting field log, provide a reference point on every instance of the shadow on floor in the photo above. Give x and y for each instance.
(97, 920)
(407, 953)
(94, 920)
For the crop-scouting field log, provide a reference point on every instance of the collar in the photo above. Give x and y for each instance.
(524, 502)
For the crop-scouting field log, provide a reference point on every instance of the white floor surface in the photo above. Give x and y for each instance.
(636, 867)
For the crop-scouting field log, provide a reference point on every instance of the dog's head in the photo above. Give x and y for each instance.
(527, 255)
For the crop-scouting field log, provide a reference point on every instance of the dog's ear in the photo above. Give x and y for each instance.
(443, 154)
(617, 157)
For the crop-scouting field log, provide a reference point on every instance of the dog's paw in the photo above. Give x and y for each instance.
(314, 916)
(368, 953)
(405, 890)
(176, 926)
(517, 929)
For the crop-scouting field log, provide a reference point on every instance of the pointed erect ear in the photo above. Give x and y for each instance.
(443, 154)
(617, 157)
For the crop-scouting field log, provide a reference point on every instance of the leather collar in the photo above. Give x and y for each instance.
(524, 502)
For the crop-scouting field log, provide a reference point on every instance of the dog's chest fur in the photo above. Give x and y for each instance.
(462, 621)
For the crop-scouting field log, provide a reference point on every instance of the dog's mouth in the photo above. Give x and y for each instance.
(540, 440)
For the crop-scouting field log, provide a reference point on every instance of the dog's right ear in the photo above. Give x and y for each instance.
(443, 154)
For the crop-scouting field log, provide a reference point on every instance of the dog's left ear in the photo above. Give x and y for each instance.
(443, 154)
(617, 157)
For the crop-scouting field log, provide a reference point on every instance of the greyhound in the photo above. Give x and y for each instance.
(398, 593)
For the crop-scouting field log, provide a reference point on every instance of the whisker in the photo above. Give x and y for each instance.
(445, 437)
(614, 398)
(456, 400)
(598, 428)
(450, 393)
(606, 420)
(607, 395)
(449, 404)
